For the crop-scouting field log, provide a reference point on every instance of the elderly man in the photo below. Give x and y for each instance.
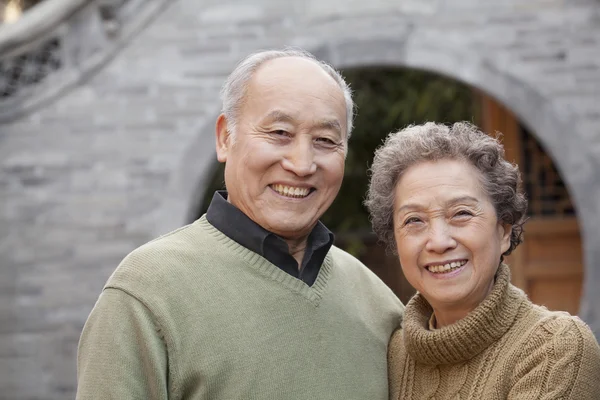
(251, 301)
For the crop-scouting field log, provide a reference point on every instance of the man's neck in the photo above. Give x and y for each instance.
(297, 249)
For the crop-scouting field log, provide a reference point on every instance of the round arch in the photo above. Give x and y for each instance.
(533, 108)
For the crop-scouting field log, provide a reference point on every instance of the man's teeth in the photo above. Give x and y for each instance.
(291, 191)
(438, 269)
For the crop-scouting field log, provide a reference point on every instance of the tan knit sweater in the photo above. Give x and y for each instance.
(507, 348)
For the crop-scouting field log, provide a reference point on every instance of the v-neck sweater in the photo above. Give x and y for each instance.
(507, 348)
(195, 315)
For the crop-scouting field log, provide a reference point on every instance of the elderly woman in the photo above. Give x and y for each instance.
(450, 205)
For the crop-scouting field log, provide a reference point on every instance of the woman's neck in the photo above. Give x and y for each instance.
(448, 314)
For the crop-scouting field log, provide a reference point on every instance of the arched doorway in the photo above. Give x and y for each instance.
(387, 99)
(391, 98)
(548, 265)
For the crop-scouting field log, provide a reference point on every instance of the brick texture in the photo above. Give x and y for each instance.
(124, 156)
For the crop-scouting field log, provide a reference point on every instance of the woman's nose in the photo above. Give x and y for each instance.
(440, 238)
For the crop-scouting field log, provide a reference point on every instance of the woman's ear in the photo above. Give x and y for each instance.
(506, 232)
(223, 137)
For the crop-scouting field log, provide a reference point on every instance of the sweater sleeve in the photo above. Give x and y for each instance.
(121, 352)
(560, 360)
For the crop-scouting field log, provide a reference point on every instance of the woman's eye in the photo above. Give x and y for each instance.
(411, 220)
(464, 213)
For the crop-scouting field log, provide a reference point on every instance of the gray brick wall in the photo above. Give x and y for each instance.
(123, 156)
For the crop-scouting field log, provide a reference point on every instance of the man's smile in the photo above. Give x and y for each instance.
(295, 192)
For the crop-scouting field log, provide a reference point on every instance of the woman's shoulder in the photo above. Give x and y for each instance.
(558, 351)
(546, 325)
(559, 332)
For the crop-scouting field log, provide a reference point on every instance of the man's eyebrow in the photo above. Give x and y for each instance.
(280, 116)
(331, 125)
(326, 124)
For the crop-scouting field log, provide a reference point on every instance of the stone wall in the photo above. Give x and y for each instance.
(123, 156)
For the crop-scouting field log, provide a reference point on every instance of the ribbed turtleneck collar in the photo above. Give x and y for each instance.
(467, 337)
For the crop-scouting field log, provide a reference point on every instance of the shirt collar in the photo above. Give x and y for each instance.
(235, 224)
(239, 227)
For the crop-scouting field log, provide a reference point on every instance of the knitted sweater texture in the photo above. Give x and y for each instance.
(507, 348)
(194, 315)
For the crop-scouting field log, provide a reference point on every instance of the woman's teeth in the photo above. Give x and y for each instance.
(291, 191)
(440, 269)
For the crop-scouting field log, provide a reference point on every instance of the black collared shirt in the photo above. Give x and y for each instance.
(239, 227)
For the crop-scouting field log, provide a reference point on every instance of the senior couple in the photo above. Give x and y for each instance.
(253, 300)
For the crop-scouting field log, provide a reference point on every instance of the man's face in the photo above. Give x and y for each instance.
(286, 163)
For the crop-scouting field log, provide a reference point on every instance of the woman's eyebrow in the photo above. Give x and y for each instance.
(450, 202)
(462, 199)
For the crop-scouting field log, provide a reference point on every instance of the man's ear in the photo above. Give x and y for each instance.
(223, 136)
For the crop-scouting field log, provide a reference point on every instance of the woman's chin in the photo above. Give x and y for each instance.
(451, 291)
(446, 299)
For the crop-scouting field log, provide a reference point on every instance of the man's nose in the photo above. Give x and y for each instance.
(300, 158)
(440, 238)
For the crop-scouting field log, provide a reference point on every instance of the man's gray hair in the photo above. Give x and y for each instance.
(235, 87)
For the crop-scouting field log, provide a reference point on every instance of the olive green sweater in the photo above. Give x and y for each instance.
(507, 348)
(194, 315)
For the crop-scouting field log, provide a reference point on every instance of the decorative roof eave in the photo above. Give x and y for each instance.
(35, 25)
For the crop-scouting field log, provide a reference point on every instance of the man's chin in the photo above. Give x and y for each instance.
(292, 230)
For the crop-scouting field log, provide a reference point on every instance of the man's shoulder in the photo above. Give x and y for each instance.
(163, 258)
(361, 276)
(349, 262)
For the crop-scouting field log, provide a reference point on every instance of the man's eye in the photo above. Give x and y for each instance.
(326, 141)
(279, 132)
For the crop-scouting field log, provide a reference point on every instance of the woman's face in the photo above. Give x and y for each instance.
(447, 234)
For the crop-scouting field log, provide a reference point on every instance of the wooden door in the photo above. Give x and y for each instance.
(548, 265)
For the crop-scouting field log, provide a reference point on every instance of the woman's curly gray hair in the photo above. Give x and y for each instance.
(432, 142)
